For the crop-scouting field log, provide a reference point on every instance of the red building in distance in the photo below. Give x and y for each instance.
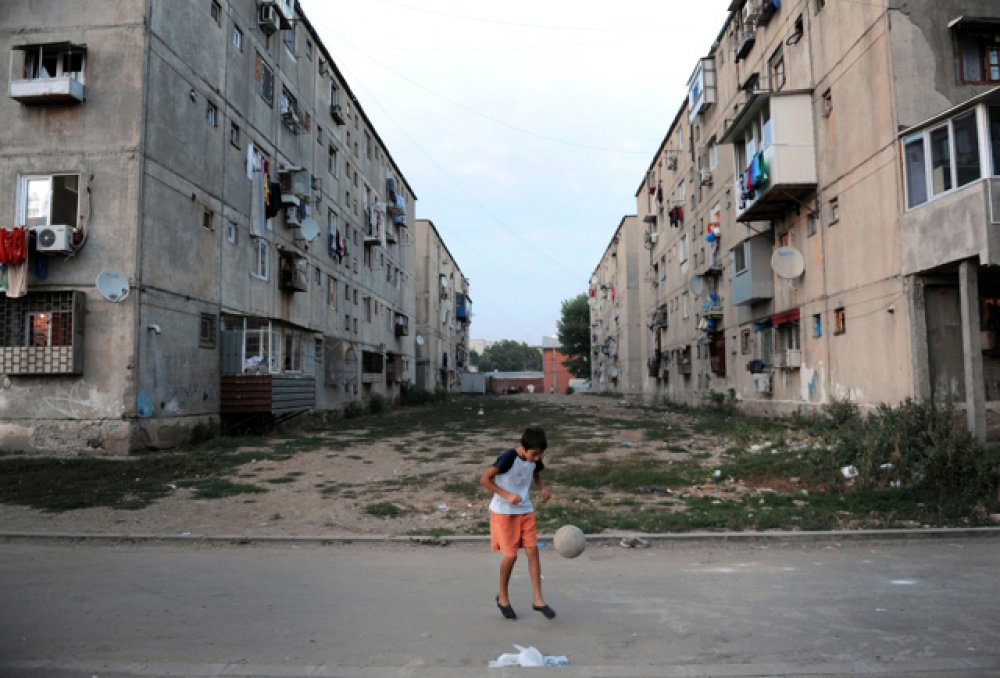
(556, 376)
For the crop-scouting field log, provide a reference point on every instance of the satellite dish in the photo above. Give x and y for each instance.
(309, 229)
(420, 340)
(788, 263)
(697, 285)
(112, 285)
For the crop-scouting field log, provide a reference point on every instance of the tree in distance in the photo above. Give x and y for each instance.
(574, 335)
(508, 355)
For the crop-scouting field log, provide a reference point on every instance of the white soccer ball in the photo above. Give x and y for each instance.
(569, 541)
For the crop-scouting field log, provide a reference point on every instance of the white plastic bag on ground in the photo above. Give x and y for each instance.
(527, 657)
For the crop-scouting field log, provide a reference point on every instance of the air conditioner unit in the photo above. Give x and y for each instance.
(267, 18)
(58, 238)
(778, 359)
(705, 176)
(672, 162)
(337, 113)
(292, 216)
(653, 237)
(793, 358)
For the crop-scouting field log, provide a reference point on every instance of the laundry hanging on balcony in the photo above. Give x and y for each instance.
(676, 215)
(754, 177)
(13, 246)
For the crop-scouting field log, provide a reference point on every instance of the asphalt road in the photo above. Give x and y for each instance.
(900, 608)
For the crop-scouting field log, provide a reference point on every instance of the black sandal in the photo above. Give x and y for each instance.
(546, 610)
(507, 611)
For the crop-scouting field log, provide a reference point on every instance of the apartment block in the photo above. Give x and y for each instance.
(205, 225)
(819, 220)
(443, 312)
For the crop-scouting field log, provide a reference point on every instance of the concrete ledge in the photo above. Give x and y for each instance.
(772, 537)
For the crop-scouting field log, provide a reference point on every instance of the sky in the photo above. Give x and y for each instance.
(524, 127)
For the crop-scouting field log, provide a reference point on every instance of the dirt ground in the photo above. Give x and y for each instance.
(360, 475)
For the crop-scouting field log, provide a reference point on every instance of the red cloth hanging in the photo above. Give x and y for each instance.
(13, 246)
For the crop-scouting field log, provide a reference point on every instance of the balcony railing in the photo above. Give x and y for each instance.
(953, 227)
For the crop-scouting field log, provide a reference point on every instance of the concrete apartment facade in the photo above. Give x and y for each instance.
(443, 312)
(250, 236)
(819, 221)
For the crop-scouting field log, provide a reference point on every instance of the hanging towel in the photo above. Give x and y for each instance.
(13, 246)
(17, 280)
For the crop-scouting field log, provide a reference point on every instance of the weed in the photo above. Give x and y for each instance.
(377, 404)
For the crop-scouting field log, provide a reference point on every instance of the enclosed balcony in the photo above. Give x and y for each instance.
(51, 73)
(951, 168)
(774, 149)
(752, 279)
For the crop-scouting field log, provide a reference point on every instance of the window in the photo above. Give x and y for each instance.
(820, 4)
(777, 66)
(290, 114)
(745, 345)
(834, 205)
(368, 145)
(368, 309)
(309, 50)
(683, 251)
(811, 224)
(740, 258)
(265, 80)
(681, 192)
(915, 162)
(940, 161)
(59, 60)
(827, 104)
(994, 124)
(288, 37)
(232, 233)
(979, 54)
(259, 346)
(209, 331)
(331, 160)
(839, 321)
(966, 139)
(207, 220)
(43, 321)
(237, 38)
(292, 358)
(817, 325)
(713, 154)
(234, 134)
(319, 135)
(331, 292)
(685, 305)
(212, 114)
(216, 12)
(261, 254)
(49, 200)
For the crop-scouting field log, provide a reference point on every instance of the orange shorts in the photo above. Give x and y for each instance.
(508, 532)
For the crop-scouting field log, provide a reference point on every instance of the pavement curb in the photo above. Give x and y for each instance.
(774, 537)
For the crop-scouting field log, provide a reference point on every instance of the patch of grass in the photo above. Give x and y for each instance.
(219, 488)
(468, 490)
(384, 509)
(620, 476)
(281, 480)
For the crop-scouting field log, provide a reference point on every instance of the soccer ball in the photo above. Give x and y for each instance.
(570, 541)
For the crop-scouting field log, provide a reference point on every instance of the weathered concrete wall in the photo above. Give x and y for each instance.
(100, 141)
(925, 70)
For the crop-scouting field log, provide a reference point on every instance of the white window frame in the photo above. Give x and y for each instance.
(260, 268)
(923, 137)
(22, 202)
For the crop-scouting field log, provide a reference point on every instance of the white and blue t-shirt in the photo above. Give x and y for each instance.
(515, 476)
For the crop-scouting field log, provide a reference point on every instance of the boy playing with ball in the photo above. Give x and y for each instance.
(512, 517)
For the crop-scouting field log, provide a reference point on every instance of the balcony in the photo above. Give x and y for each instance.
(788, 159)
(52, 73)
(752, 279)
(954, 227)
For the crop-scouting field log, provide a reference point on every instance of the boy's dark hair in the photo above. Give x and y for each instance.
(533, 438)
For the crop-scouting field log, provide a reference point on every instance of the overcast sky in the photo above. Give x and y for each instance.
(524, 127)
